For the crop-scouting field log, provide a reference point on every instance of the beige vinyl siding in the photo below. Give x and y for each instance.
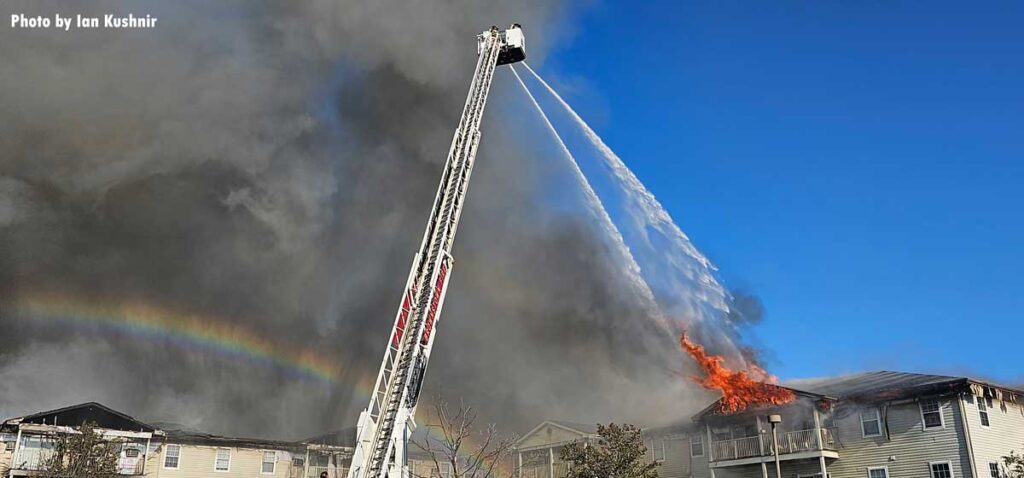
(790, 469)
(677, 459)
(699, 464)
(742, 471)
(1004, 433)
(197, 461)
(909, 444)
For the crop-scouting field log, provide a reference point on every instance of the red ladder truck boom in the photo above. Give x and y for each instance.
(384, 426)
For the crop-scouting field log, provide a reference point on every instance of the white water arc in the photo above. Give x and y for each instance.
(633, 271)
(685, 279)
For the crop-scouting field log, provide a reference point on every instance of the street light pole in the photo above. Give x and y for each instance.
(775, 420)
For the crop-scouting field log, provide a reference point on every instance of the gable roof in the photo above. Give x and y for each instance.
(580, 428)
(586, 428)
(76, 415)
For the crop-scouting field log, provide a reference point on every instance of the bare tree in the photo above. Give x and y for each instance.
(85, 454)
(453, 441)
(1014, 464)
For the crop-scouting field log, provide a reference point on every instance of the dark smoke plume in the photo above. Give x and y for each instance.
(271, 164)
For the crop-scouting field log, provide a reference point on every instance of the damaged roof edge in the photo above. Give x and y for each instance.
(881, 386)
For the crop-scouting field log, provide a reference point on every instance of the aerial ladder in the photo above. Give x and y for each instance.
(384, 427)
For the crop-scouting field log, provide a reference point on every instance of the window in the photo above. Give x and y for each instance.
(878, 472)
(445, 471)
(941, 469)
(696, 446)
(223, 462)
(870, 423)
(983, 411)
(658, 451)
(269, 462)
(993, 469)
(172, 456)
(131, 452)
(931, 414)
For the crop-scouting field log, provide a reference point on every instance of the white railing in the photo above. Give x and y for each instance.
(30, 459)
(789, 442)
(131, 466)
(737, 448)
(798, 441)
(34, 459)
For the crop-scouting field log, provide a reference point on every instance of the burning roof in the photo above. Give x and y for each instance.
(742, 389)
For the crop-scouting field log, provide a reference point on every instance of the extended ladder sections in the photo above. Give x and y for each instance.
(384, 426)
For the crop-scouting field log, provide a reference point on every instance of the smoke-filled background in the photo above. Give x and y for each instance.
(270, 165)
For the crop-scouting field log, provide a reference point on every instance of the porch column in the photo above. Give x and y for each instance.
(764, 470)
(821, 443)
(817, 432)
(305, 464)
(145, 457)
(760, 440)
(551, 462)
(711, 449)
(519, 462)
(17, 448)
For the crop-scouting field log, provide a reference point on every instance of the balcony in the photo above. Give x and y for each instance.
(30, 459)
(34, 459)
(792, 445)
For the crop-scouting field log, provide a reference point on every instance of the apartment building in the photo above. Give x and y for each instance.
(148, 451)
(869, 425)
(169, 451)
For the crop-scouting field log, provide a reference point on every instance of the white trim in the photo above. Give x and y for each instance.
(942, 419)
(873, 468)
(980, 402)
(167, 447)
(263, 461)
(931, 473)
(216, 458)
(537, 428)
(700, 440)
(878, 422)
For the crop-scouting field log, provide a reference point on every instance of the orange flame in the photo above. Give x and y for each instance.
(740, 389)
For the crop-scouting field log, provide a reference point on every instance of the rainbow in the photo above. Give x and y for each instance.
(201, 333)
(187, 331)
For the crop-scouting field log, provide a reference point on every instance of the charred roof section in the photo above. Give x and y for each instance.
(200, 438)
(76, 415)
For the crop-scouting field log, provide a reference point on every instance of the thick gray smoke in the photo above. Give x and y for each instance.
(271, 164)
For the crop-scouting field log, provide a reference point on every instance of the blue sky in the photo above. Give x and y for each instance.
(857, 165)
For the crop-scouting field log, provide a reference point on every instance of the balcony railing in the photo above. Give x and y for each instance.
(737, 448)
(789, 442)
(30, 459)
(34, 459)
